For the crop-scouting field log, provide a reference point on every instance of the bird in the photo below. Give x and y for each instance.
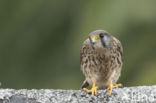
(101, 60)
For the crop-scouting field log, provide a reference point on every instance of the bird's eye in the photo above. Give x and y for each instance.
(101, 35)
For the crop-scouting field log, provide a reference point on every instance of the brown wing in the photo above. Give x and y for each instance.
(83, 51)
(82, 62)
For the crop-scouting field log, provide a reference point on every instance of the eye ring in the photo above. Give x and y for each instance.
(101, 35)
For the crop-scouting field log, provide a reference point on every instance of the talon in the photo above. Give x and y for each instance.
(110, 87)
(93, 90)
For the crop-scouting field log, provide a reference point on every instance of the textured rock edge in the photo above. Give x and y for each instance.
(126, 95)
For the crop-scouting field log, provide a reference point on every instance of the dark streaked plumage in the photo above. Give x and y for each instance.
(101, 59)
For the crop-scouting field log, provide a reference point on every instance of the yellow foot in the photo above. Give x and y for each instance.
(110, 87)
(94, 89)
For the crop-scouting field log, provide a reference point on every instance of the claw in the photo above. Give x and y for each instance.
(93, 90)
(110, 87)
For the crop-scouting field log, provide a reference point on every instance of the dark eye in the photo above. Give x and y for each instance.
(101, 35)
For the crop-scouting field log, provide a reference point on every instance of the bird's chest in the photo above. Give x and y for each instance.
(95, 64)
(99, 66)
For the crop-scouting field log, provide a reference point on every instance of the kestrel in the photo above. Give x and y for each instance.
(101, 61)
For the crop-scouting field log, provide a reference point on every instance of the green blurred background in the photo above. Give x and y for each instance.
(40, 40)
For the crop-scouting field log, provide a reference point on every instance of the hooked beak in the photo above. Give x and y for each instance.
(94, 39)
(92, 42)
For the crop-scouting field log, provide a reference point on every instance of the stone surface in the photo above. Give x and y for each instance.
(141, 94)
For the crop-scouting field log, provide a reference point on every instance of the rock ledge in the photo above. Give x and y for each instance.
(140, 94)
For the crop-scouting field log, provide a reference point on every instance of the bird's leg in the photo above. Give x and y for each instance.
(111, 86)
(93, 90)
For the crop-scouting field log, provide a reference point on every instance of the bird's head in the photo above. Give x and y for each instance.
(100, 39)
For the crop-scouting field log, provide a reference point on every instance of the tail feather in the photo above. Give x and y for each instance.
(85, 84)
